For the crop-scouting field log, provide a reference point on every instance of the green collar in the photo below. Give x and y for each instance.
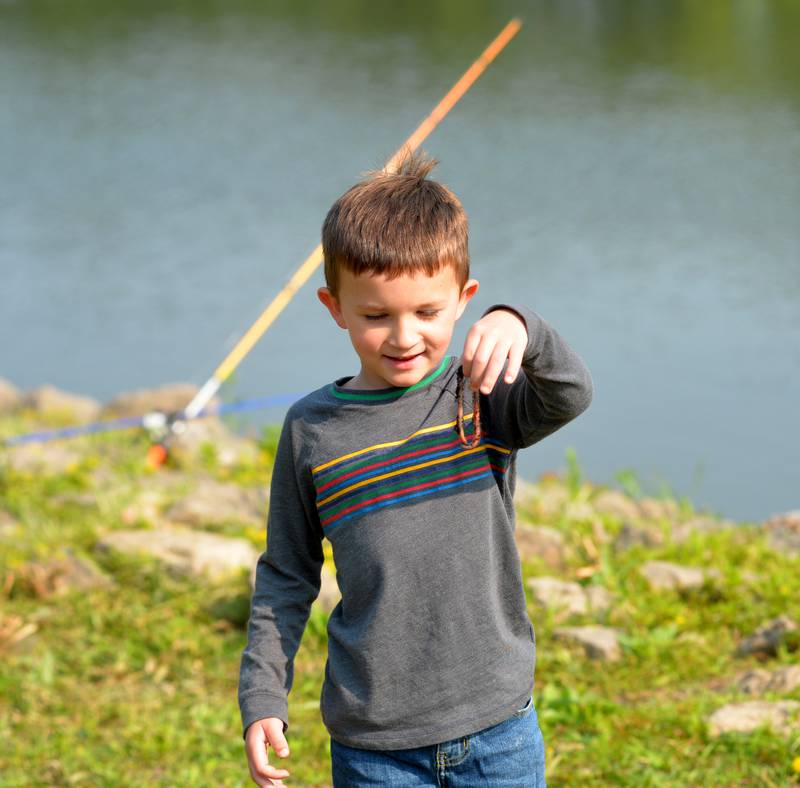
(393, 392)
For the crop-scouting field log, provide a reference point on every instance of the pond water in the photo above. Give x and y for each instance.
(630, 170)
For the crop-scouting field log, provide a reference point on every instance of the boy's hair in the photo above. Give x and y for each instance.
(396, 223)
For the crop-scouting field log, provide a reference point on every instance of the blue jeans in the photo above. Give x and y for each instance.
(507, 755)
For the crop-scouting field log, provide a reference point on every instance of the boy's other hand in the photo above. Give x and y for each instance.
(260, 736)
(499, 336)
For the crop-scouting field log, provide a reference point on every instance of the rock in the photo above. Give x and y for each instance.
(10, 397)
(767, 638)
(47, 458)
(545, 501)
(632, 535)
(616, 504)
(659, 509)
(579, 512)
(166, 399)
(185, 551)
(601, 643)
(49, 399)
(666, 575)
(758, 681)
(146, 508)
(555, 594)
(538, 542)
(753, 682)
(163, 488)
(230, 448)
(63, 575)
(329, 594)
(703, 524)
(598, 598)
(780, 716)
(783, 533)
(785, 680)
(219, 502)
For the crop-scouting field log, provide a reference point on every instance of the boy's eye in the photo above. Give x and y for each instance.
(429, 314)
(374, 317)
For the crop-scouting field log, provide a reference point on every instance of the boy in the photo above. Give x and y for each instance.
(430, 651)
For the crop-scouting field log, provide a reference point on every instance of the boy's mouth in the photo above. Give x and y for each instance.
(402, 360)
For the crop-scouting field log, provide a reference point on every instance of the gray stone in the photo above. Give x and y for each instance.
(781, 681)
(598, 598)
(230, 448)
(747, 717)
(753, 682)
(545, 500)
(66, 574)
(631, 535)
(163, 488)
(666, 575)
(10, 397)
(785, 680)
(554, 594)
(49, 399)
(539, 542)
(170, 398)
(702, 524)
(783, 533)
(220, 502)
(185, 551)
(659, 509)
(601, 643)
(580, 512)
(767, 638)
(616, 504)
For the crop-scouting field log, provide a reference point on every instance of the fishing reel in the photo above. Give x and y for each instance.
(163, 428)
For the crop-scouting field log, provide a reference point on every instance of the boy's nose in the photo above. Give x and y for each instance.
(403, 335)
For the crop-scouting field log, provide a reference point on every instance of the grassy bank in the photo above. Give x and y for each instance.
(133, 682)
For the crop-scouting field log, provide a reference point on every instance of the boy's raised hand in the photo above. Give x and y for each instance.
(261, 735)
(498, 336)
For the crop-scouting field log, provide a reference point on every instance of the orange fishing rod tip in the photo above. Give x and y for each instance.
(156, 456)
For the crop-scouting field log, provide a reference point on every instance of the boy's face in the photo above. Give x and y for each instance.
(400, 328)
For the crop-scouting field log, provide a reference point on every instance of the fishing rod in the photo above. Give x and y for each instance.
(158, 451)
(155, 422)
(163, 427)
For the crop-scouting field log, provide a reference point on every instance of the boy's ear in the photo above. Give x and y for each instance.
(332, 304)
(469, 290)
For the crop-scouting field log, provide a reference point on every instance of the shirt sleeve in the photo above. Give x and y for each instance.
(553, 387)
(287, 581)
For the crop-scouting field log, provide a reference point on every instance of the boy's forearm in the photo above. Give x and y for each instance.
(288, 577)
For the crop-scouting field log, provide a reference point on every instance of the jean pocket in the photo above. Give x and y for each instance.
(525, 710)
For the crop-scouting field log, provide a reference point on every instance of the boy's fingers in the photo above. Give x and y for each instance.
(514, 362)
(494, 368)
(480, 360)
(277, 739)
(470, 346)
(257, 752)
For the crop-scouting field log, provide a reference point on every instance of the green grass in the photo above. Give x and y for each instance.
(136, 684)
